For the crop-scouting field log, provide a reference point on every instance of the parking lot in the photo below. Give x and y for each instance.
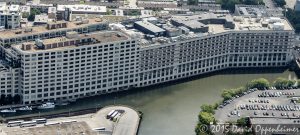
(257, 103)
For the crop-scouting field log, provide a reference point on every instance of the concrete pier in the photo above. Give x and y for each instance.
(126, 124)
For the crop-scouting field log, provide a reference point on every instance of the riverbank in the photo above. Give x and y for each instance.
(126, 123)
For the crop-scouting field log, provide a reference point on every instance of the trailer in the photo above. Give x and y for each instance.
(28, 124)
(109, 114)
(40, 121)
(14, 123)
(113, 115)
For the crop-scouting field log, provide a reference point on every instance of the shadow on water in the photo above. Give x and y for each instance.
(138, 97)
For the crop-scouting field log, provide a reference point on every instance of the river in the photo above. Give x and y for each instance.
(171, 109)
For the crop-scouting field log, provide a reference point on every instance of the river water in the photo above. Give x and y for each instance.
(171, 109)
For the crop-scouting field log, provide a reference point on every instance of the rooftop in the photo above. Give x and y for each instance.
(241, 23)
(51, 10)
(25, 9)
(82, 8)
(149, 26)
(62, 43)
(42, 29)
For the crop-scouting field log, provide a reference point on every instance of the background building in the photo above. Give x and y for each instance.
(9, 16)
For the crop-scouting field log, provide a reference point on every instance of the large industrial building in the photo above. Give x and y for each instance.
(77, 64)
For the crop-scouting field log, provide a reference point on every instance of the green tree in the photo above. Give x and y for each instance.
(242, 121)
(208, 108)
(33, 12)
(282, 82)
(258, 83)
(109, 12)
(227, 94)
(205, 118)
(294, 19)
(25, 15)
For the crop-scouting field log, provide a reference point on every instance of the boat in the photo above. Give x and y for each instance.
(8, 111)
(48, 105)
(25, 108)
(62, 103)
(72, 100)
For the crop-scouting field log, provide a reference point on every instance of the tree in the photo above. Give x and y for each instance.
(207, 108)
(109, 12)
(17, 99)
(258, 83)
(294, 18)
(25, 15)
(227, 94)
(206, 118)
(282, 82)
(280, 3)
(33, 12)
(242, 122)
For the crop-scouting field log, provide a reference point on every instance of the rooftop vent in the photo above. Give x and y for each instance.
(18, 32)
(28, 30)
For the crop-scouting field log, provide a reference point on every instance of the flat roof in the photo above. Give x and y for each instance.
(150, 26)
(52, 10)
(241, 23)
(25, 9)
(98, 37)
(42, 29)
(82, 8)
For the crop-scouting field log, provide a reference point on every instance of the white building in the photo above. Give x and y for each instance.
(157, 4)
(82, 9)
(77, 65)
(25, 9)
(9, 16)
(80, 64)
